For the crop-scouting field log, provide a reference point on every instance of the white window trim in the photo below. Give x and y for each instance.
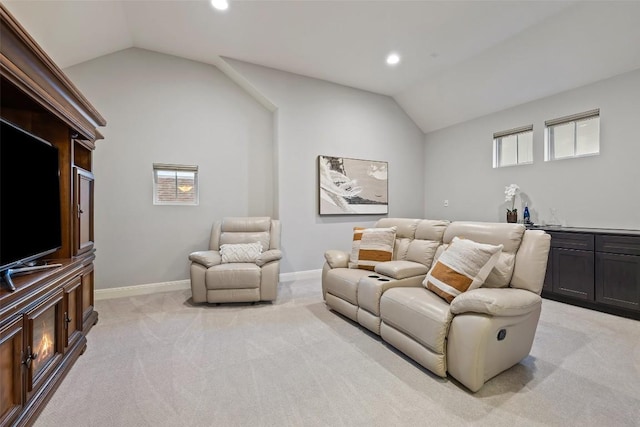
(575, 119)
(502, 134)
(175, 168)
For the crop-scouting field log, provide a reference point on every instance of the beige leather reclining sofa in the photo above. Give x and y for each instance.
(481, 333)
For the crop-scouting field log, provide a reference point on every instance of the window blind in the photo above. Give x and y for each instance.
(181, 168)
(572, 118)
(513, 131)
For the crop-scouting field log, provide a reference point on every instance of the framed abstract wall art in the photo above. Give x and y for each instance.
(352, 186)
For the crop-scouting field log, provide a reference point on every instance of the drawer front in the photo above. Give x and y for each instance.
(624, 245)
(580, 241)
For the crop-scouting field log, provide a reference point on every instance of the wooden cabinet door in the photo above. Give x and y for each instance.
(72, 316)
(44, 341)
(12, 395)
(618, 280)
(573, 273)
(83, 206)
(88, 314)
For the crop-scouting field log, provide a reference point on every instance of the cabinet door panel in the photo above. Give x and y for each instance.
(547, 286)
(89, 316)
(44, 341)
(72, 311)
(11, 377)
(83, 220)
(573, 273)
(618, 280)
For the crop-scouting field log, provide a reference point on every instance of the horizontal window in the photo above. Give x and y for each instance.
(513, 147)
(572, 136)
(175, 184)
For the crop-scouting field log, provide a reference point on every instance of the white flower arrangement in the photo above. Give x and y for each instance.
(510, 196)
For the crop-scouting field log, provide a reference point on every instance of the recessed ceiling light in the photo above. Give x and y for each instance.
(220, 4)
(393, 59)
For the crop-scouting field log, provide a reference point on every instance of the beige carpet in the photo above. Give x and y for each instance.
(156, 360)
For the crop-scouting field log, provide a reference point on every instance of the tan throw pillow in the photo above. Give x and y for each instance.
(355, 246)
(376, 245)
(240, 252)
(465, 265)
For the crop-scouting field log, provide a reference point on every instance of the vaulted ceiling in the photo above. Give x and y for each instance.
(460, 59)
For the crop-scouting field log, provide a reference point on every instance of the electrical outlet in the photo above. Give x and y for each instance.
(446, 203)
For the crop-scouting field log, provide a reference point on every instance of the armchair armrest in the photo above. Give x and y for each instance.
(336, 258)
(268, 256)
(206, 258)
(401, 269)
(496, 302)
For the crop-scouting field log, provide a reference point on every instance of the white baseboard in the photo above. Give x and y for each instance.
(150, 288)
(178, 285)
(300, 275)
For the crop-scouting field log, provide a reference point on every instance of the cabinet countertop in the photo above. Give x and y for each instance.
(616, 231)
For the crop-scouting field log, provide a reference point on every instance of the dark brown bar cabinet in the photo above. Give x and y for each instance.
(595, 268)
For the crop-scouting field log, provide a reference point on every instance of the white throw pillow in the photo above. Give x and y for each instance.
(463, 266)
(240, 252)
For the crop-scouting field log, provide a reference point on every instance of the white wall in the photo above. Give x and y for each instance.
(598, 191)
(161, 108)
(315, 117)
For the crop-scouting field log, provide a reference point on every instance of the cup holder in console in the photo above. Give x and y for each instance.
(373, 276)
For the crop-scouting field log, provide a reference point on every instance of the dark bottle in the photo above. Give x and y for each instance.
(525, 215)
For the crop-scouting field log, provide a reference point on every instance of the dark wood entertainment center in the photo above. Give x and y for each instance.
(44, 322)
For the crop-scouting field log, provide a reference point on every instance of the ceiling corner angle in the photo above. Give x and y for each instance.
(223, 65)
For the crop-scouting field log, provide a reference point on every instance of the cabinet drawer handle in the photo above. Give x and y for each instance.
(67, 320)
(30, 357)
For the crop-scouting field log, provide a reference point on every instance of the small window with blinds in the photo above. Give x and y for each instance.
(175, 184)
(577, 135)
(513, 147)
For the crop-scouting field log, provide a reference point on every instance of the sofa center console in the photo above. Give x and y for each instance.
(370, 289)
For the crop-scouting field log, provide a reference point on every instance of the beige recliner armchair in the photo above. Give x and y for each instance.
(233, 269)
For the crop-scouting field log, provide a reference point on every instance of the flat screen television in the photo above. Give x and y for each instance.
(30, 224)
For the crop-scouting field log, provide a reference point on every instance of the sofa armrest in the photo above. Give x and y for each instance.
(496, 302)
(531, 261)
(401, 269)
(336, 258)
(206, 258)
(269, 256)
